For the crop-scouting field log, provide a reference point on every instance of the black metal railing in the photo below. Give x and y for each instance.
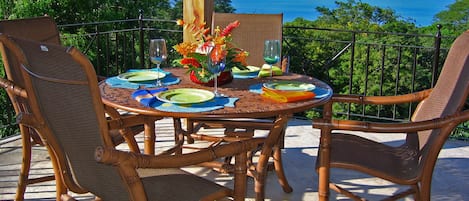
(375, 63)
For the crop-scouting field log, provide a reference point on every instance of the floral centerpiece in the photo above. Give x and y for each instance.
(195, 54)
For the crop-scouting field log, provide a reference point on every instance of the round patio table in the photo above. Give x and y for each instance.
(249, 105)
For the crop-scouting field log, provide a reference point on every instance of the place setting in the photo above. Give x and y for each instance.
(147, 78)
(285, 91)
(189, 99)
(182, 99)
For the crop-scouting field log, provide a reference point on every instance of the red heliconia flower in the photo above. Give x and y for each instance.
(190, 61)
(229, 28)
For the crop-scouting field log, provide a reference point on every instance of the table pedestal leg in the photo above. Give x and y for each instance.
(149, 136)
(282, 179)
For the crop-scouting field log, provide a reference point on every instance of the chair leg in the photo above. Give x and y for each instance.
(25, 165)
(24, 180)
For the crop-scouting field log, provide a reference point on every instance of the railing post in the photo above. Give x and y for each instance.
(352, 59)
(140, 31)
(436, 56)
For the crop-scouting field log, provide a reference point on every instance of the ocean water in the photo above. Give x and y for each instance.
(419, 11)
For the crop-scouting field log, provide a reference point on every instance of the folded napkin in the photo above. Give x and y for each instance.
(148, 98)
(169, 79)
(319, 91)
(265, 71)
(286, 96)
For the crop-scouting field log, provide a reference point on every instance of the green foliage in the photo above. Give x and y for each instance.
(456, 18)
(7, 113)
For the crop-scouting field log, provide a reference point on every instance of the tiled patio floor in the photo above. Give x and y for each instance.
(301, 143)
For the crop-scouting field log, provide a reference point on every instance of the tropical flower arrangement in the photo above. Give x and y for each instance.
(195, 54)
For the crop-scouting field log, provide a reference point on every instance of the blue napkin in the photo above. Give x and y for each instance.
(148, 98)
(169, 79)
(319, 91)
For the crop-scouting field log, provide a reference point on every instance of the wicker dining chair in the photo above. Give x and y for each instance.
(43, 29)
(254, 29)
(86, 160)
(439, 111)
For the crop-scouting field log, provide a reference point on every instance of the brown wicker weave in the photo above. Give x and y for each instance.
(439, 111)
(60, 81)
(253, 30)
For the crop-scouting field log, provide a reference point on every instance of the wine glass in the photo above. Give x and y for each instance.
(271, 53)
(158, 54)
(216, 65)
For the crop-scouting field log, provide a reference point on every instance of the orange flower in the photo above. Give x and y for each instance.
(180, 22)
(218, 53)
(241, 58)
(185, 48)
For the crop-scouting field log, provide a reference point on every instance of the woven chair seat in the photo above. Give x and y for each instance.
(355, 152)
(175, 185)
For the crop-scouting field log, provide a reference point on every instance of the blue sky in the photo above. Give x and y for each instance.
(421, 11)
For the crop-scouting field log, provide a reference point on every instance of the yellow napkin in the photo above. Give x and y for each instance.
(286, 96)
(265, 71)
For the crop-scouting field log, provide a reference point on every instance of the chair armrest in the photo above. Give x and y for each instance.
(10, 87)
(125, 121)
(116, 157)
(392, 127)
(382, 100)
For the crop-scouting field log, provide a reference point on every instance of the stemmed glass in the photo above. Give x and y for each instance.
(158, 54)
(271, 53)
(216, 65)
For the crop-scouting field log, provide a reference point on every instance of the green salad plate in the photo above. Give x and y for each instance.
(185, 96)
(141, 76)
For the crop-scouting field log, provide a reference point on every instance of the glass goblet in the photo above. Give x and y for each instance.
(271, 53)
(158, 53)
(216, 64)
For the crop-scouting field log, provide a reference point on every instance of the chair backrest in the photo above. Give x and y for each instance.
(68, 113)
(448, 96)
(43, 29)
(253, 30)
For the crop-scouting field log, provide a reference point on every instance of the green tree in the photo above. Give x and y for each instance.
(224, 6)
(328, 55)
(455, 18)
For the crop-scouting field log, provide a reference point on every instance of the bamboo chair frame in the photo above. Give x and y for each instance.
(121, 164)
(439, 111)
